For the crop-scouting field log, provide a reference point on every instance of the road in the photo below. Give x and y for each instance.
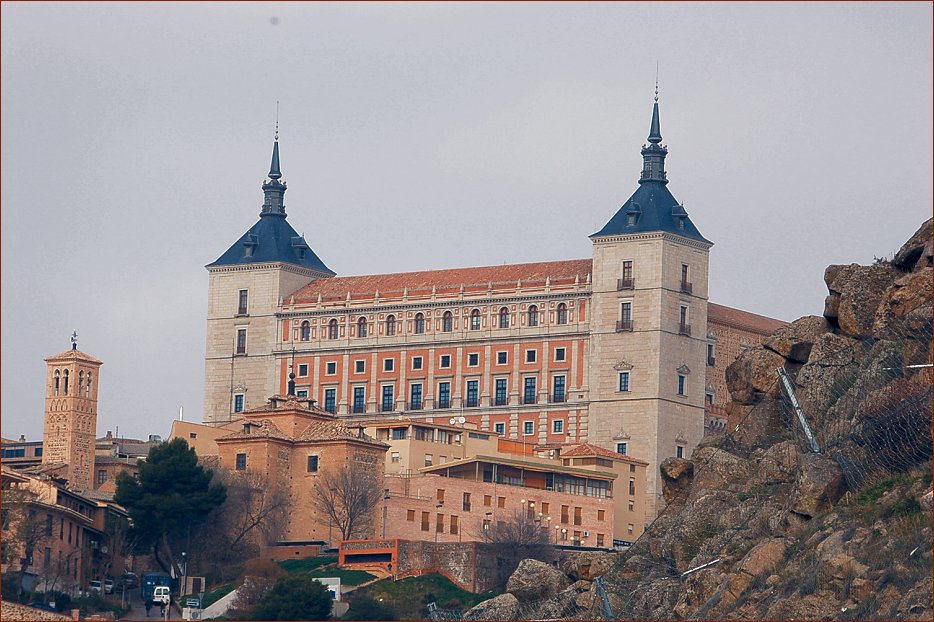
(139, 609)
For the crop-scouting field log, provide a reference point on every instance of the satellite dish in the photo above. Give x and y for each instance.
(452, 421)
(461, 420)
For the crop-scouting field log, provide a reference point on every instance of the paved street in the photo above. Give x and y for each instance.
(139, 609)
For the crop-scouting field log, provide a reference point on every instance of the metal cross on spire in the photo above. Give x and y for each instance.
(74, 340)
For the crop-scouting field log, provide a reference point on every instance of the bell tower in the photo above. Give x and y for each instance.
(71, 413)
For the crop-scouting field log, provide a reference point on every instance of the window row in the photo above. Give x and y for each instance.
(627, 279)
(392, 325)
(625, 323)
(61, 383)
(625, 386)
(311, 466)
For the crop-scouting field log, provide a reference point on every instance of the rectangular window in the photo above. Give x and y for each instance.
(410, 516)
(622, 448)
(530, 356)
(578, 517)
(330, 368)
(500, 502)
(416, 362)
(359, 399)
(426, 517)
(565, 514)
(415, 397)
(48, 524)
(400, 434)
(302, 393)
(241, 341)
(101, 476)
(303, 370)
(473, 387)
(632, 468)
(487, 500)
(711, 359)
(560, 354)
(454, 525)
(502, 358)
(466, 504)
(429, 460)
(473, 359)
(528, 427)
(387, 404)
(627, 273)
(679, 451)
(445, 361)
(500, 395)
(242, 303)
(312, 464)
(359, 366)
(625, 317)
(680, 384)
(557, 426)
(623, 381)
(444, 395)
(238, 402)
(529, 396)
(330, 400)
(439, 523)
(396, 457)
(439, 494)
(632, 505)
(499, 428)
(557, 389)
(241, 462)
(599, 539)
(629, 528)
(632, 487)
(388, 364)
(601, 515)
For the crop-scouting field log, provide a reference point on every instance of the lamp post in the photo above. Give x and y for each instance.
(557, 529)
(181, 591)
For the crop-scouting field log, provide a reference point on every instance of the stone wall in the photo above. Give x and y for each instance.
(10, 611)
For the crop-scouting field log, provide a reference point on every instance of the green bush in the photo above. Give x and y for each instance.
(295, 597)
(367, 608)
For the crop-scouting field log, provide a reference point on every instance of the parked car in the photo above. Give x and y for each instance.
(128, 581)
(94, 586)
(108, 586)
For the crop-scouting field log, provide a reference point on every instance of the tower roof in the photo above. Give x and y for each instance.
(652, 207)
(73, 355)
(272, 239)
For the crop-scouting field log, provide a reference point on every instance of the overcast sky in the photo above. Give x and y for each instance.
(135, 138)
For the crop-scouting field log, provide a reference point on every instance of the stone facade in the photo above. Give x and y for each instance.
(71, 415)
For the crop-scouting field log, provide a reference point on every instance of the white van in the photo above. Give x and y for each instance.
(162, 595)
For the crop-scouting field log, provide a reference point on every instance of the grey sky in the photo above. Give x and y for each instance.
(135, 138)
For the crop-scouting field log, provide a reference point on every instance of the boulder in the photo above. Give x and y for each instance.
(861, 289)
(763, 557)
(908, 293)
(819, 485)
(677, 474)
(534, 580)
(753, 374)
(587, 565)
(926, 501)
(558, 607)
(756, 423)
(720, 468)
(778, 463)
(502, 607)
(917, 250)
(794, 341)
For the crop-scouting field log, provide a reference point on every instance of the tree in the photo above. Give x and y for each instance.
(512, 540)
(24, 531)
(367, 608)
(295, 597)
(253, 510)
(170, 494)
(259, 577)
(348, 496)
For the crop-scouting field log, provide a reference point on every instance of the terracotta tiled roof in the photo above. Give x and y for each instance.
(69, 355)
(263, 428)
(336, 431)
(586, 449)
(718, 314)
(451, 278)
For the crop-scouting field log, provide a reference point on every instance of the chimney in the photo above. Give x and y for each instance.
(22, 438)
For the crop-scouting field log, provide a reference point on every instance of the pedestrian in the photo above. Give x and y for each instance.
(148, 606)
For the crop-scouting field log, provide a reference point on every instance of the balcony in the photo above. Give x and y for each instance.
(711, 361)
(687, 288)
(530, 399)
(558, 398)
(386, 408)
(443, 404)
(359, 408)
(501, 401)
(624, 326)
(684, 329)
(625, 283)
(414, 405)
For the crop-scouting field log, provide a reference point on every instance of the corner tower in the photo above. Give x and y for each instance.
(649, 324)
(246, 287)
(71, 414)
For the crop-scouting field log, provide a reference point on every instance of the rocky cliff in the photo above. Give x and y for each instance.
(817, 512)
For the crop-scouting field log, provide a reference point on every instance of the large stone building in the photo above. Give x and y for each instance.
(617, 350)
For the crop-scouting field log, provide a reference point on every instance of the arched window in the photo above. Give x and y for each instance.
(361, 327)
(87, 387)
(533, 316)
(447, 322)
(66, 382)
(391, 325)
(305, 332)
(80, 383)
(419, 323)
(58, 379)
(504, 318)
(562, 313)
(475, 319)
(332, 329)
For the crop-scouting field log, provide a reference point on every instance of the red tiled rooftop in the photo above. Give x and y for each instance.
(718, 314)
(586, 449)
(454, 277)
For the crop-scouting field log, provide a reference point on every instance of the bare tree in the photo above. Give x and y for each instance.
(25, 531)
(514, 539)
(348, 495)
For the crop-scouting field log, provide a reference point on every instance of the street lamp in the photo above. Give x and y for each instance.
(181, 591)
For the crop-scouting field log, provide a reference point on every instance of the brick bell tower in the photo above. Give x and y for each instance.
(71, 413)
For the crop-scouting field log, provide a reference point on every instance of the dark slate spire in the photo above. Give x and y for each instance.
(652, 207)
(274, 190)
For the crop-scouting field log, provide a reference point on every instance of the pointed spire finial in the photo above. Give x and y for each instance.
(277, 108)
(74, 340)
(656, 81)
(274, 172)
